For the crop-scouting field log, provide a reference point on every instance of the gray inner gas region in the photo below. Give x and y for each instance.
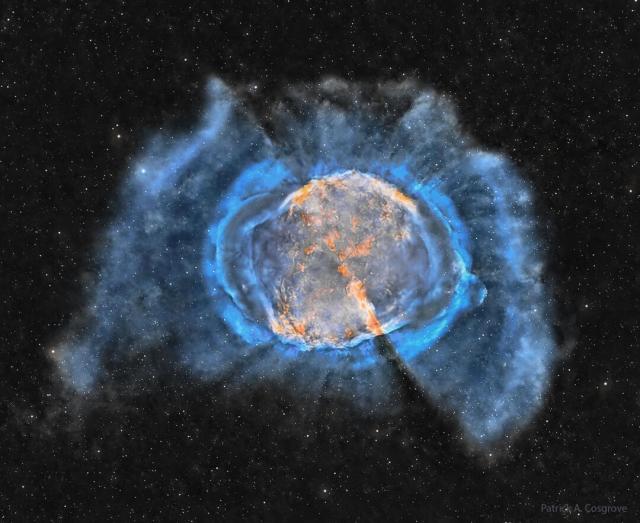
(349, 257)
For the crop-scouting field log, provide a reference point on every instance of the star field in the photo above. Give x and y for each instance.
(86, 86)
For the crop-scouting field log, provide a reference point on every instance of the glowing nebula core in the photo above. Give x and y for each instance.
(364, 211)
(340, 260)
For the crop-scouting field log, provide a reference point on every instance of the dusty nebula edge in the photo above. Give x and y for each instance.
(191, 257)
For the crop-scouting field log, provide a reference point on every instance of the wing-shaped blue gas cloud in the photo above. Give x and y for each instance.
(285, 255)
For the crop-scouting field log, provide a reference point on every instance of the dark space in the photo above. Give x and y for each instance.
(554, 86)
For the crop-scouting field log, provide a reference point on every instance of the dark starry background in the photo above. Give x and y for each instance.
(82, 87)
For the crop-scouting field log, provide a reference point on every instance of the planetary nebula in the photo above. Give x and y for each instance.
(284, 244)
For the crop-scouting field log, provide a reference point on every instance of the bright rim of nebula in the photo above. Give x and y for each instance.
(342, 259)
